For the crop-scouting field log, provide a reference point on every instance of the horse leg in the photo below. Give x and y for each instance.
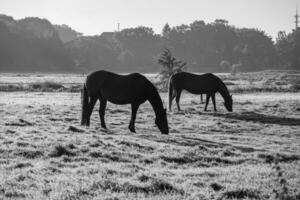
(207, 100)
(84, 103)
(178, 99)
(171, 98)
(213, 98)
(201, 98)
(91, 105)
(134, 108)
(103, 103)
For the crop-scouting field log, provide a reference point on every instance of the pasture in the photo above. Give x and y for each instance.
(46, 154)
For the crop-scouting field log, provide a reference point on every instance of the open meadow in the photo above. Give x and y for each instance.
(251, 153)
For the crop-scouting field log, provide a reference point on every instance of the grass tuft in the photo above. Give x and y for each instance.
(22, 165)
(156, 186)
(240, 194)
(75, 129)
(143, 178)
(14, 194)
(96, 154)
(216, 187)
(281, 188)
(60, 150)
(162, 186)
(268, 158)
(178, 160)
(71, 146)
(30, 154)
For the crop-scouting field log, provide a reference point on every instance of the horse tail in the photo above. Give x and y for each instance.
(170, 92)
(84, 104)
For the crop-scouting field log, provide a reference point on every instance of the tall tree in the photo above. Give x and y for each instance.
(166, 31)
(296, 50)
(284, 48)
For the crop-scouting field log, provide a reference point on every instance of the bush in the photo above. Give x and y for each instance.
(11, 88)
(296, 85)
(46, 86)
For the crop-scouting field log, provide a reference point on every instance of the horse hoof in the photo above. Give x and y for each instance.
(132, 130)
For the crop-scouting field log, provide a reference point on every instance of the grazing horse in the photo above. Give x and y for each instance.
(132, 89)
(208, 84)
(201, 98)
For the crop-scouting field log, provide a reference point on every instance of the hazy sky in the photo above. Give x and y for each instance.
(93, 17)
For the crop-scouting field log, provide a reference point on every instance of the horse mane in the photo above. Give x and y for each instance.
(154, 98)
(223, 88)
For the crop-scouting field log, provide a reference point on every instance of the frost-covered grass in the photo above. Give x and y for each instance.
(46, 154)
(249, 82)
(264, 81)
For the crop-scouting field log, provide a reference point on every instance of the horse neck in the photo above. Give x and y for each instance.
(155, 100)
(224, 91)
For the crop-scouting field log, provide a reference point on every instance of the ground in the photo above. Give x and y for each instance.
(251, 153)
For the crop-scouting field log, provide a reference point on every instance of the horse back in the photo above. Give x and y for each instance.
(118, 89)
(195, 83)
(95, 80)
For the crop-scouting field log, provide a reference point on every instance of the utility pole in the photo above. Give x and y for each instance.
(118, 27)
(296, 18)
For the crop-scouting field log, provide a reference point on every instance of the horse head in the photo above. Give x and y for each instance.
(162, 122)
(228, 103)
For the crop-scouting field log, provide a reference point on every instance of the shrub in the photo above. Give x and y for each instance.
(45, 86)
(11, 87)
(296, 85)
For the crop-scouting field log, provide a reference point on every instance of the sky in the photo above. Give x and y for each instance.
(92, 17)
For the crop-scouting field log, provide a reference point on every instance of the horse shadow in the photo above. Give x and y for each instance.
(258, 117)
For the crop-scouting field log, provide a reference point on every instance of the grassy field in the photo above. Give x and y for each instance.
(251, 153)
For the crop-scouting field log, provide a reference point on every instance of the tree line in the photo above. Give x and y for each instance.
(31, 44)
(34, 44)
(204, 46)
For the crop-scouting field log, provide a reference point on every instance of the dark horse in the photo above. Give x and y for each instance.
(132, 89)
(208, 84)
